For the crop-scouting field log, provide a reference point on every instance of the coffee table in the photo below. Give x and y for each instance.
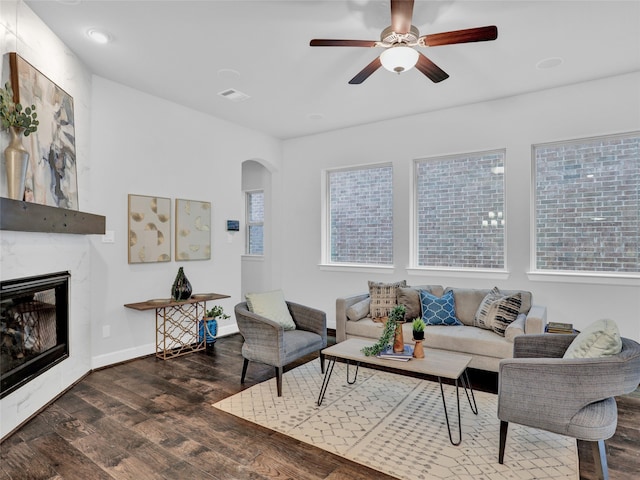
(435, 363)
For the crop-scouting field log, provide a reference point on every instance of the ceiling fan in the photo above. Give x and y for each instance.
(400, 37)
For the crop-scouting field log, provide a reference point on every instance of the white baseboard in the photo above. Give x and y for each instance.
(122, 355)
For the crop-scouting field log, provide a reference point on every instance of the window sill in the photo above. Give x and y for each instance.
(354, 267)
(252, 258)
(585, 277)
(460, 273)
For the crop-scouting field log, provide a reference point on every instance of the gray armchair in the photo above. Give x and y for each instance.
(572, 397)
(266, 341)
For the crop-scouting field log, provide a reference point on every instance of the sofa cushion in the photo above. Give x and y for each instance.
(600, 339)
(410, 298)
(468, 340)
(271, 305)
(358, 310)
(438, 310)
(383, 297)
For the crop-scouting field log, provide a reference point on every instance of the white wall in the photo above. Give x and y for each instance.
(588, 109)
(126, 142)
(147, 146)
(25, 254)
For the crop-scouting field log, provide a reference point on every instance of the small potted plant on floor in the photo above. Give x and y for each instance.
(208, 328)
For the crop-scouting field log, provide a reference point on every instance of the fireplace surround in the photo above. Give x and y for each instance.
(34, 327)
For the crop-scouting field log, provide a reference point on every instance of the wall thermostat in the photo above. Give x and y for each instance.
(233, 225)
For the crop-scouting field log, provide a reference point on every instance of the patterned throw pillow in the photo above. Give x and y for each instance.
(383, 297)
(438, 310)
(487, 309)
(506, 311)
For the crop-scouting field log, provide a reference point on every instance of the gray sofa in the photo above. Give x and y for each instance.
(484, 346)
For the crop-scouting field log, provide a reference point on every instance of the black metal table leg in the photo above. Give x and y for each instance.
(446, 415)
(355, 377)
(465, 383)
(325, 381)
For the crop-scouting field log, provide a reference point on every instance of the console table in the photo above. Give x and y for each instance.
(177, 323)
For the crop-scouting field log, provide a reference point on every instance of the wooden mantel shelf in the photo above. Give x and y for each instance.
(33, 217)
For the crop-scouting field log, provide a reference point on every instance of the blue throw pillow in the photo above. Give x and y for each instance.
(438, 310)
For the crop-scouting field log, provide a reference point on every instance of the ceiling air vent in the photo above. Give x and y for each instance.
(233, 95)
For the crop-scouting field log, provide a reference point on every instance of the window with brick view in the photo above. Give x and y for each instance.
(360, 206)
(255, 223)
(460, 212)
(587, 205)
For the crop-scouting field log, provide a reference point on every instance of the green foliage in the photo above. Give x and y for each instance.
(12, 115)
(395, 316)
(217, 312)
(418, 325)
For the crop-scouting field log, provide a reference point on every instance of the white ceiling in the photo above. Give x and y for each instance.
(188, 51)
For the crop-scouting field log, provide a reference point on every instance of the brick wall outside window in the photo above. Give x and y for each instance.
(361, 215)
(460, 211)
(255, 223)
(588, 205)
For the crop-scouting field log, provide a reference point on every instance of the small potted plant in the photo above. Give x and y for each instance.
(418, 328)
(208, 328)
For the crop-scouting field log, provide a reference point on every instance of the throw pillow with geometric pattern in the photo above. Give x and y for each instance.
(438, 310)
(487, 310)
(507, 309)
(383, 297)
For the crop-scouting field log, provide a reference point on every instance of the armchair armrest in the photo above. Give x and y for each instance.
(309, 319)
(549, 392)
(263, 338)
(541, 345)
(342, 304)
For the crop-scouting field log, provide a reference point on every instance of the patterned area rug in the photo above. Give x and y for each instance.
(395, 424)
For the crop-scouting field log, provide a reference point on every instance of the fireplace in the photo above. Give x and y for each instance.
(34, 327)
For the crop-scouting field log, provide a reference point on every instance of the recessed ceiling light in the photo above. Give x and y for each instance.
(547, 63)
(228, 74)
(98, 36)
(315, 116)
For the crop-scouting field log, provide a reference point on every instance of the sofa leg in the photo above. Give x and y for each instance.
(322, 362)
(244, 370)
(279, 380)
(600, 459)
(504, 426)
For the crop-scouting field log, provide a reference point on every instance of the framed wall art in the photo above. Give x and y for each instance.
(193, 230)
(149, 229)
(51, 175)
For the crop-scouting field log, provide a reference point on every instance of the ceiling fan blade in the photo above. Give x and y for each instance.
(366, 72)
(401, 15)
(479, 34)
(320, 42)
(430, 69)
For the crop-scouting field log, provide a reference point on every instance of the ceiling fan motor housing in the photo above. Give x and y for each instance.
(388, 37)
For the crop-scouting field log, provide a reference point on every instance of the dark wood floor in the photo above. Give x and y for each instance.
(152, 419)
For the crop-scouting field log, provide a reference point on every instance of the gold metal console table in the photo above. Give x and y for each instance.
(177, 323)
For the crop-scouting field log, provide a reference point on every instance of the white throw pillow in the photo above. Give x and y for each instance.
(271, 305)
(600, 339)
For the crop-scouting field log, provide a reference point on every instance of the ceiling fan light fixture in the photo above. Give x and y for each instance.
(399, 58)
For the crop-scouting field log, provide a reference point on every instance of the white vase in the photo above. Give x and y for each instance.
(17, 161)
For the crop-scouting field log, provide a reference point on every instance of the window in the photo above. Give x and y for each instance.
(587, 205)
(459, 211)
(360, 219)
(255, 223)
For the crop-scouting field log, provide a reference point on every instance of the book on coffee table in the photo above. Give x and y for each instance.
(389, 354)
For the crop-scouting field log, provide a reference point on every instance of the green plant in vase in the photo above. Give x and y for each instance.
(12, 115)
(396, 317)
(208, 326)
(418, 328)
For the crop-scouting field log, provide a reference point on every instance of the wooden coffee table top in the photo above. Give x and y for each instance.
(435, 362)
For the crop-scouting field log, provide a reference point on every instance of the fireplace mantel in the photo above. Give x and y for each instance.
(33, 217)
